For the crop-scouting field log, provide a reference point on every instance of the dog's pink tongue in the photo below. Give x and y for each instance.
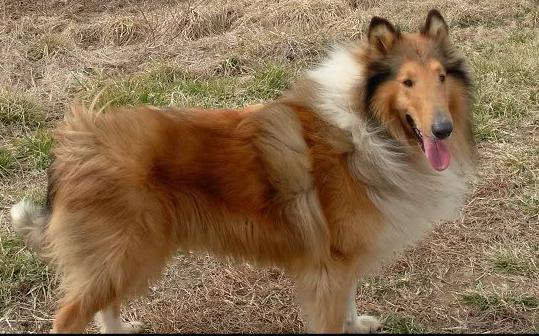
(437, 152)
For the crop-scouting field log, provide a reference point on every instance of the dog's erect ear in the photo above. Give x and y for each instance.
(382, 34)
(435, 26)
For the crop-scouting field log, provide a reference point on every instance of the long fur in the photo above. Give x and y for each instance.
(326, 182)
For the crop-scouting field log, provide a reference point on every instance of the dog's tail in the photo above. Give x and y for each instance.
(29, 220)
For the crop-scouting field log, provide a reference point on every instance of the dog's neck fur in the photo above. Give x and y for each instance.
(337, 78)
(337, 100)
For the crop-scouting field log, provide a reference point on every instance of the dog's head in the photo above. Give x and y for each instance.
(414, 82)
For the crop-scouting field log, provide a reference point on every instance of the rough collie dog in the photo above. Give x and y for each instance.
(358, 160)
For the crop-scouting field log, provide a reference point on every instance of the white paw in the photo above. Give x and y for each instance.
(363, 324)
(134, 327)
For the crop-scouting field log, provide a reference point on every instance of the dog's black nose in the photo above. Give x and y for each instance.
(442, 129)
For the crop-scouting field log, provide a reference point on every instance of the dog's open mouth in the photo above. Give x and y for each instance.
(436, 150)
(416, 131)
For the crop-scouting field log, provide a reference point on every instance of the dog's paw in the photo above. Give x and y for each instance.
(133, 327)
(363, 324)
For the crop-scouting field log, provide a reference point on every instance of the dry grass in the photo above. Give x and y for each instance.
(477, 274)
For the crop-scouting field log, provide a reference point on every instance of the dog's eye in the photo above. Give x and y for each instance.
(408, 83)
(442, 78)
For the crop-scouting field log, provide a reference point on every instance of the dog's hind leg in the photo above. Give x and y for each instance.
(103, 260)
(100, 293)
(72, 317)
(83, 300)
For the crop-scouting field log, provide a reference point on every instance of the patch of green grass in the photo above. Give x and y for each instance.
(497, 107)
(396, 324)
(46, 46)
(525, 171)
(17, 109)
(268, 83)
(510, 263)
(168, 86)
(374, 286)
(521, 37)
(527, 302)
(482, 302)
(505, 73)
(529, 200)
(36, 150)
(485, 132)
(232, 66)
(22, 273)
(492, 302)
(8, 163)
(509, 60)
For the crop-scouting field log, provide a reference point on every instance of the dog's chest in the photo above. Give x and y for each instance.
(411, 209)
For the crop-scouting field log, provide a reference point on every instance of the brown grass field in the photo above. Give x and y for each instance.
(479, 274)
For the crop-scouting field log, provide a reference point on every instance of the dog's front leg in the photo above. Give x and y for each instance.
(324, 293)
(362, 324)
